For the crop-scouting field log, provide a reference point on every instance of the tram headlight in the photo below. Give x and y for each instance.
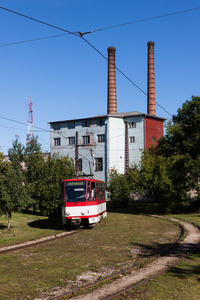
(68, 213)
(83, 213)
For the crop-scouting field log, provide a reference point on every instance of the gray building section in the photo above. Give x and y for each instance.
(101, 142)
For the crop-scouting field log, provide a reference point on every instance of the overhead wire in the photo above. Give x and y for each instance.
(34, 40)
(95, 30)
(80, 35)
(147, 19)
(2, 126)
(19, 122)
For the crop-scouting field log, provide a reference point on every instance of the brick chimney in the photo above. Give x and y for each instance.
(151, 98)
(112, 94)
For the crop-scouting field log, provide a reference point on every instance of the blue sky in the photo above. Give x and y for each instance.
(67, 79)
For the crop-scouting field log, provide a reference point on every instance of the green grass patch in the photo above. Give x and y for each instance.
(27, 227)
(120, 241)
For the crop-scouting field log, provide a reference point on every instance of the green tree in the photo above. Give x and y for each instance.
(118, 189)
(52, 172)
(162, 179)
(34, 162)
(13, 193)
(16, 154)
(183, 138)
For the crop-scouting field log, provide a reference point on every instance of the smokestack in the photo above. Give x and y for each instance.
(112, 95)
(151, 98)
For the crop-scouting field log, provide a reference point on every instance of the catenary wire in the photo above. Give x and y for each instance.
(34, 40)
(2, 126)
(80, 35)
(15, 121)
(147, 19)
(101, 29)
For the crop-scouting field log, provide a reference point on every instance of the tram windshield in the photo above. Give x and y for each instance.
(75, 191)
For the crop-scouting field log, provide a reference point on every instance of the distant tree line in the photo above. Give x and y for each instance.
(32, 180)
(169, 172)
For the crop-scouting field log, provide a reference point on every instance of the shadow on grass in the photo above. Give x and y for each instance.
(137, 208)
(188, 268)
(50, 223)
(2, 227)
(150, 250)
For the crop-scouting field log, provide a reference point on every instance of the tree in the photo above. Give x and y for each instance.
(162, 179)
(44, 174)
(34, 162)
(13, 193)
(118, 189)
(52, 172)
(183, 138)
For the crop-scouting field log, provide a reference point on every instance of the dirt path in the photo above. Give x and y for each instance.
(152, 269)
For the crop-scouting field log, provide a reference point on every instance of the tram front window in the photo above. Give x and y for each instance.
(75, 191)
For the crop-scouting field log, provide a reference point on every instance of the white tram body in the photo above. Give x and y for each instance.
(84, 202)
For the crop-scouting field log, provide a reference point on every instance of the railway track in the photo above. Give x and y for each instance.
(43, 240)
(176, 251)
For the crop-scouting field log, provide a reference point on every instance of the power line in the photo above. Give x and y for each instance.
(34, 40)
(148, 19)
(80, 35)
(19, 128)
(44, 130)
(38, 21)
(95, 30)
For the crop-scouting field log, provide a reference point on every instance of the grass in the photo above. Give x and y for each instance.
(27, 226)
(181, 282)
(107, 248)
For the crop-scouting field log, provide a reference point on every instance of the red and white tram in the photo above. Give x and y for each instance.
(84, 202)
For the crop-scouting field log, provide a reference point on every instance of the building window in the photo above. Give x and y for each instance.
(72, 140)
(93, 123)
(153, 139)
(100, 122)
(101, 138)
(56, 126)
(85, 123)
(86, 139)
(98, 164)
(132, 139)
(57, 142)
(132, 124)
(71, 125)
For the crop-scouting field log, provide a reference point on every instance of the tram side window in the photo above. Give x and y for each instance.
(100, 191)
(88, 192)
(93, 191)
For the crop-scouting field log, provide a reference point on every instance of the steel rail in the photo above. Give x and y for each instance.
(121, 273)
(42, 240)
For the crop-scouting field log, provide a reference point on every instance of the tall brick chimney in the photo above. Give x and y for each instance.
(151, 97)
(112, 94)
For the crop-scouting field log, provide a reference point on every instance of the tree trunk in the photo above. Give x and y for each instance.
(9, 218)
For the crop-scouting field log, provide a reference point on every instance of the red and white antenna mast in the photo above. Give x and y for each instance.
(30, 133)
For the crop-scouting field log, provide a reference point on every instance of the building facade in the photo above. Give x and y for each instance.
(102, 143)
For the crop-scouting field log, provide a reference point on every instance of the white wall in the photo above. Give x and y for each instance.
(116, 144)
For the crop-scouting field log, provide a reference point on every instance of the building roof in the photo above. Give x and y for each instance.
(117, 115)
